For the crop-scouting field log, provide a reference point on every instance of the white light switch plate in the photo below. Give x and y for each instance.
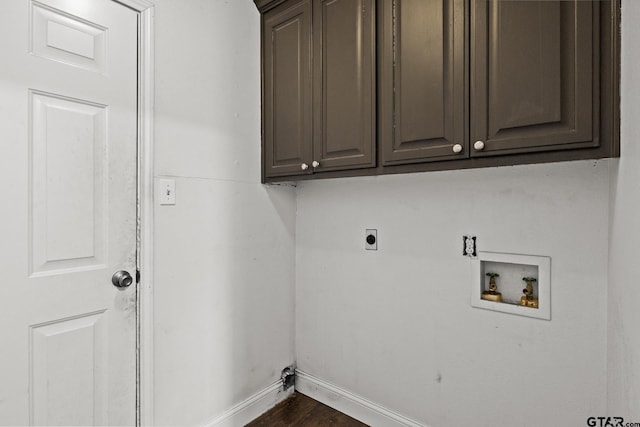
(167, 191)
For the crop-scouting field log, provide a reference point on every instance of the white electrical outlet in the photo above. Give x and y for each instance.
(167, 188)
(371, 239)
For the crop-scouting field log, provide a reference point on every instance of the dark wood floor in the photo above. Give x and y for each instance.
(302, 411)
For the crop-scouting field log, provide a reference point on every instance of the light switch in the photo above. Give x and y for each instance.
(167, 191)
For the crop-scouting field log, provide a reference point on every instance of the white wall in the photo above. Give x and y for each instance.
(224, 255)
(624, 292)
(396, 326)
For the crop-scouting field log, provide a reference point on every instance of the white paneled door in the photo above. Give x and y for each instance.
(68, 94)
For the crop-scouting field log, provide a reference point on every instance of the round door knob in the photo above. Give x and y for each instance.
(121, 279)
(315, 164)
(478, 145)
(457, 148)
(304, 166)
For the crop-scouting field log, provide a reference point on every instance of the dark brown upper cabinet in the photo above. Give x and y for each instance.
(422, 81)
(535, 73)
(459, 84)
(319, 87)
(287, 88)
(344, 84)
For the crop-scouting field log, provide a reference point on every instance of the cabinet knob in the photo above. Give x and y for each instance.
(457, 148)
(304, 166)
(478, 145)
(315, 164)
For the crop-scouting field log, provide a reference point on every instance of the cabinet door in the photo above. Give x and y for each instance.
(422, 81)
(287, 90)
(534, 75)
(344, 85)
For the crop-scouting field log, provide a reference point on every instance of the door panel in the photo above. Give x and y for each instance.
(287, 88)
(534, 87)
(344, 88)
(68, 111)
(68, 371)
(68, 187)
(423, 81)
(66, 38)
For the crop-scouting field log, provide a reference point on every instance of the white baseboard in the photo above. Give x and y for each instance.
(348, 403)
(251, 408)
